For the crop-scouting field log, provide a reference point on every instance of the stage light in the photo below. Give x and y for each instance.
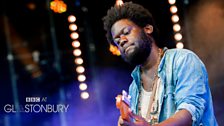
(84, 95)
(36, 56)
(172, 1)
(178, 36)
(74, 35)
(73, 27)
(114, 50)
(119, 2)
(31, 6)
(78, 61)
(83, 86)
(180, 45)
(80, 69)
(173, 9)
(58, 6)
(175, 18)
(77, 52)
(76, 44)
(71, 18)
(176, 27)
(81, 78)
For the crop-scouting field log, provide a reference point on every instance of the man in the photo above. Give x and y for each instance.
(170, 86)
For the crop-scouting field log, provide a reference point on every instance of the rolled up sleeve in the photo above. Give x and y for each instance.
(191, 86)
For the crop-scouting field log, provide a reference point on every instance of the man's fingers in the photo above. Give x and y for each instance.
(120, 121)
(135, 117)
(125, 123)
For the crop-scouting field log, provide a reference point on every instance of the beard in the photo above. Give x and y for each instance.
(141, 52)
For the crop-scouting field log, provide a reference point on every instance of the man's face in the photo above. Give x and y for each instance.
(132, 41)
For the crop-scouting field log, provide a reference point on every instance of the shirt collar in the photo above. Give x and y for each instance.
(136, 72)
(136, 76)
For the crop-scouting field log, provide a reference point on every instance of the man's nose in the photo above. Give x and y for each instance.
(123, 40)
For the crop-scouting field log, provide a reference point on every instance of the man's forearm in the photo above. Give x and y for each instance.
(181, 118)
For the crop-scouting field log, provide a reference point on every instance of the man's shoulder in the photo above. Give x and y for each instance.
(179, 51)
(182, 55)
(175, 53)
(179, 56)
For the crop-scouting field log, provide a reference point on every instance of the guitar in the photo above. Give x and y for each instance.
(123, 104)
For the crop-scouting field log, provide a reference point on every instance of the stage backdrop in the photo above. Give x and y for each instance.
(204, 32)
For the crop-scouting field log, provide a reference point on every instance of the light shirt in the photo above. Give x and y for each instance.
(144, 101)
(145, 98)
(184, 85)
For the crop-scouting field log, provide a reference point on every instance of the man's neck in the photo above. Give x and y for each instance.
(152, 60)
(149, 68)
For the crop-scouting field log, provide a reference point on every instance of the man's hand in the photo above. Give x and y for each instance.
(181, 118)
(138, 121)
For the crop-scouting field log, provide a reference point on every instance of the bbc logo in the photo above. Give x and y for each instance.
(32, 99)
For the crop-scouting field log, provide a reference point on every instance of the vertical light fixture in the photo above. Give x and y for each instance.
(176, 26)
(80, 70)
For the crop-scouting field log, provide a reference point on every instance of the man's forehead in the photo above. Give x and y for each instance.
(120, 24)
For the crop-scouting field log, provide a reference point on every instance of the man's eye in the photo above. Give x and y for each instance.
(117, 40)
(126, 32)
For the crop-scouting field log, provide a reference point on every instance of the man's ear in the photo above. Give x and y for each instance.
(148, 29)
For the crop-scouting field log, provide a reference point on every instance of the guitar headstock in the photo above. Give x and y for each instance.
(123, 103)
(125, 97)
